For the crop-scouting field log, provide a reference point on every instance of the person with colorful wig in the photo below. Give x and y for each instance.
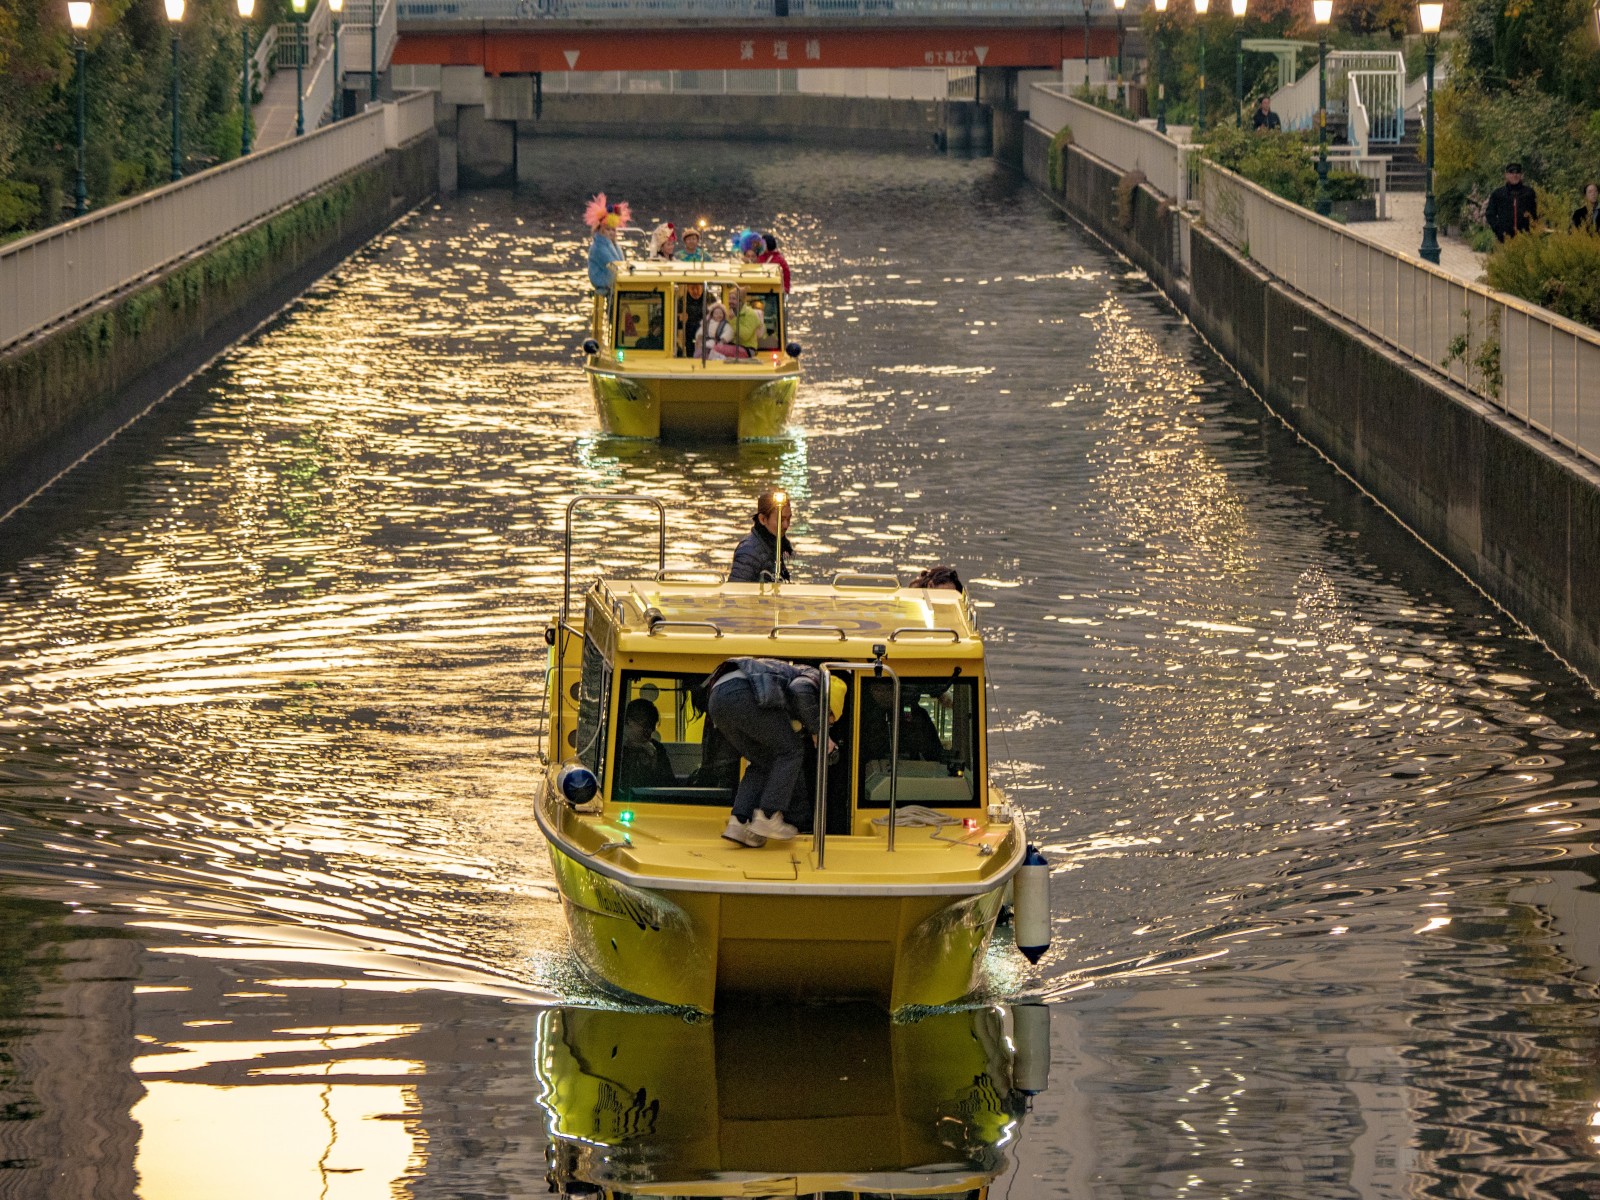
(605, 220)
(664, 241)
(749, 245)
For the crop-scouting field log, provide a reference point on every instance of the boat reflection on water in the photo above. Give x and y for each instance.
(768, 1101)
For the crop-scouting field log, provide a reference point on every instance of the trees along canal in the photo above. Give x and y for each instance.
(127, 87)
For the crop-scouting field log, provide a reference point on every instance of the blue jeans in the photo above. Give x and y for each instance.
(766, 738)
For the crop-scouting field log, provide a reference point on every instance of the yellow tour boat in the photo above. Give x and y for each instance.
(652, 373)
(845, 1102)
(893, 894)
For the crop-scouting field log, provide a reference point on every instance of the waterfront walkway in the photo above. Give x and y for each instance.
(1402, 232)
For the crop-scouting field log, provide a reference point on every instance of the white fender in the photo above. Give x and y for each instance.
(1032, 917)
(1030, 1029)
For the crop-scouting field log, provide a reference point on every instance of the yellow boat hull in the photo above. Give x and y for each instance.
(838, 1101)
(721, 401)
(689, 948)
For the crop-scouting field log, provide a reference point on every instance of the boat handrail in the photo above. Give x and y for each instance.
(657, 626)
(866, 579)
(777, 630)
(918, 630)
(566, 573)
(819, 821)
(690, 575)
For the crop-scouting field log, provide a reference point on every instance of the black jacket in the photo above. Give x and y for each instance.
(1587, 219)
(783, 685)
(1512, 208)
(753, 558)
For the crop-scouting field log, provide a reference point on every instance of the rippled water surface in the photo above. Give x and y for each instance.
(275, 917)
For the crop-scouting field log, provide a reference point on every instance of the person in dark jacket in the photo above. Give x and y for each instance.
(754, 703)
(1587, 218)
(939, 578)
(1513, 207)
(755, 558)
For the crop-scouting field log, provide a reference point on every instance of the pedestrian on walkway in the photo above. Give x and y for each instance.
(1587, 216)
(1264, 117)
(1513, 207)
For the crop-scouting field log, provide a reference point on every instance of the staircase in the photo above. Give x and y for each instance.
(1407, 171)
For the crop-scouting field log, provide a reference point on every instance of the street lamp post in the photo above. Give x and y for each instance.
(1201, 7)
(78, 12)
(174, 17)
(373, 28)
(1431, 17)
(299, 7)
(1238, 62)
(338, 84)
(1161, 81)
(1086, 4)
(247, 8)
(1322, 13)
(1119, 5)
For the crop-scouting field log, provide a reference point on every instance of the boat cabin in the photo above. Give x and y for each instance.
(632, 683)
(658, 310)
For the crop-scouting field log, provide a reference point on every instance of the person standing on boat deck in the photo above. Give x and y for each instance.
(605, 219)
(691, 251)
(691, 315)
(939, 578)
(771, 255)
(664, 242)
(756, 703)
(749, 245)
(755, 558)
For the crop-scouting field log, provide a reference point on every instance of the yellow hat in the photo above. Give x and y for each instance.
(836, 695)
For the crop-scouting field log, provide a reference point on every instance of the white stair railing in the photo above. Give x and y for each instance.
(1359, 129)
(1383, 92)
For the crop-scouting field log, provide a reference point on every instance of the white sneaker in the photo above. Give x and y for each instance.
(773, 826)
(744, 835)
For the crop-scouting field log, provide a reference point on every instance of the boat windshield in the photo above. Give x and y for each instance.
(938, 750)
(667, 752)
(640, 322)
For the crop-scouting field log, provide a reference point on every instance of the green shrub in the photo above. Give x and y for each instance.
(1056, 159)
(1281, 162)
(1560, 271)
(19, 206)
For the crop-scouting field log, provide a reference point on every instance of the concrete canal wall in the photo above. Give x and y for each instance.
(66, 389)
(1519, 515)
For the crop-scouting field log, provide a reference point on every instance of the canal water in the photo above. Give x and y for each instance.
(275, 917)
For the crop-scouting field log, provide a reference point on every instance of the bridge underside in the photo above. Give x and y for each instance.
(516, 48)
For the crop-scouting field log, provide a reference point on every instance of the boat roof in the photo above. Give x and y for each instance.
(724, 271)
(841, 619)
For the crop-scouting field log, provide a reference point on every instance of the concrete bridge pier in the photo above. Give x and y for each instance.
(998, 92)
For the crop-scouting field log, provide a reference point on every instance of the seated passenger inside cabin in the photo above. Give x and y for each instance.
(766, 303)
(642, 760)
(653, 339)
(919, 739)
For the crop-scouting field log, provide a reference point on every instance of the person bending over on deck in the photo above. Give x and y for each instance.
(643, 760)
(755, 560)
(756, 703)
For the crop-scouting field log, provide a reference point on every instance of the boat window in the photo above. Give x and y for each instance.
(938, 751)
(771, 306)
(676, 763)
(594, 690)
(641, 320)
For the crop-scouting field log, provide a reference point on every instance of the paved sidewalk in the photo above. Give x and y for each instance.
(1403, 232)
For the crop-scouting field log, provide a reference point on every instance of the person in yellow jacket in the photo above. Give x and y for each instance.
(749, 325)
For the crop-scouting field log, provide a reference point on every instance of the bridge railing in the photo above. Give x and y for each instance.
(1126, 144)
(1532, 364)
(355, 40)
(54, 274)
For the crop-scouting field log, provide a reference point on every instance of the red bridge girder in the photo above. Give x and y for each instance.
(769, 46)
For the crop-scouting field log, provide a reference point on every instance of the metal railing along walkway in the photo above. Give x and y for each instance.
(1530, 363)
(53, 274)
(1126, 144)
